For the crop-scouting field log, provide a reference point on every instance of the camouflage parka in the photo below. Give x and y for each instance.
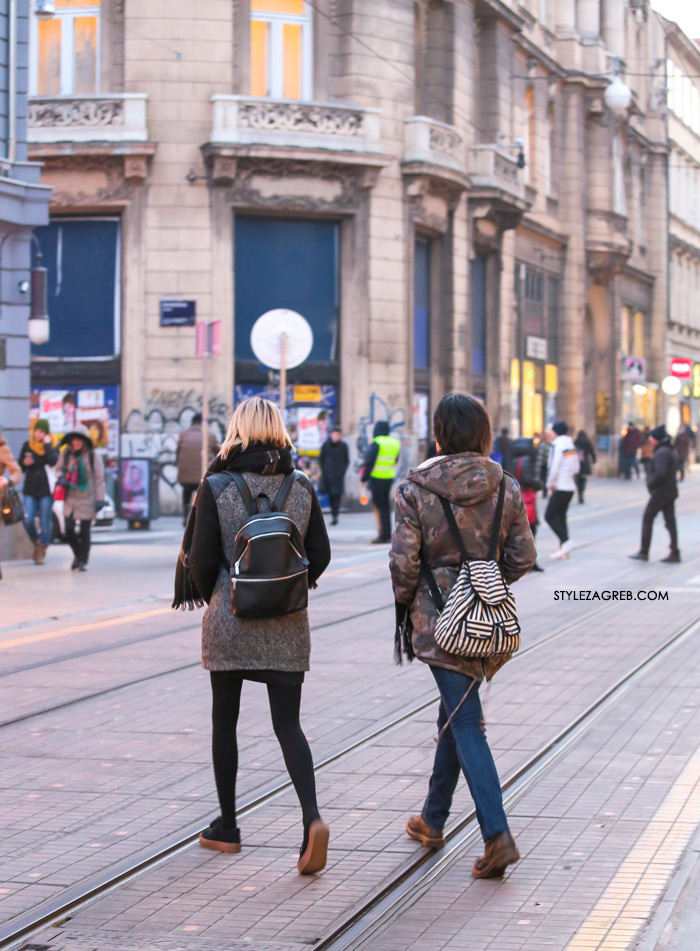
(470, 482)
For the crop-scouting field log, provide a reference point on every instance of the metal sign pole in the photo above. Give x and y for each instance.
(283, 376)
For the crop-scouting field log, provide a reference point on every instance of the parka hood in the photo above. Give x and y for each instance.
(81, 431)
(464, 478)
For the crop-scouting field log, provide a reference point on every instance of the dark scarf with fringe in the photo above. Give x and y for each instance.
(259, 458)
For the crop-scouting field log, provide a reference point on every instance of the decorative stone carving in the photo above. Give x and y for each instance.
(300, 117)
(446, 141)
(64, 113)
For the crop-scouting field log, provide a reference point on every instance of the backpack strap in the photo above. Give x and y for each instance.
(244, 491)
(454, 528)
(283, 494)
(496, 528)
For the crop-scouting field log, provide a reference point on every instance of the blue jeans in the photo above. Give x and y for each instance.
(41, 507)
(463, 744)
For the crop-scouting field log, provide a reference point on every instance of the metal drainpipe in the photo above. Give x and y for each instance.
(12, 84)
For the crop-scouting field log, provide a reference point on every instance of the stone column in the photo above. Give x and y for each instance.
(566, 18)
(613, 26)
(588, 20)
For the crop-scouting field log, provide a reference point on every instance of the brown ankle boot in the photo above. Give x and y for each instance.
(500, 851)
(419, 830)
(39, 553)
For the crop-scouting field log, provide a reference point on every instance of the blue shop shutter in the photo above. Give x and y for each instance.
(287, 263)
(81, 257)
(478, 314)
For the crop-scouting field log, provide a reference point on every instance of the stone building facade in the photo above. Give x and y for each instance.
(683, 338)
(438, 186)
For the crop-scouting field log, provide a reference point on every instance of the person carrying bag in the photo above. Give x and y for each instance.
(455, 612)
(10, 475)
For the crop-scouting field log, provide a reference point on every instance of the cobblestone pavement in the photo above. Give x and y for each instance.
(91, 783)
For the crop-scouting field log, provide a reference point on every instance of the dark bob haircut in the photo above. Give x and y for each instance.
(462, 424)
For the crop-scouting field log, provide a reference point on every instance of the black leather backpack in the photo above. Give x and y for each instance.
(269, 569)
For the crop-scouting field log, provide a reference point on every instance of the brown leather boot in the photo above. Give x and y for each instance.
(500, 851)
(39, 553)
(419, 830)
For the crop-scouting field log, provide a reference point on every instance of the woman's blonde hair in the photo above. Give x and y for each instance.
(255, 420)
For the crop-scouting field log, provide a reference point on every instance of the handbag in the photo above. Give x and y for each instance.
(12, 507)
(479, 618)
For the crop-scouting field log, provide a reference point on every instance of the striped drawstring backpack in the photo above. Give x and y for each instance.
(479, 618)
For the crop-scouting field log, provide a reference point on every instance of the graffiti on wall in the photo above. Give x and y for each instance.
(154, 432)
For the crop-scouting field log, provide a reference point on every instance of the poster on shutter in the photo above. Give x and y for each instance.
(421, 425)
(311, 427)
(96, 408)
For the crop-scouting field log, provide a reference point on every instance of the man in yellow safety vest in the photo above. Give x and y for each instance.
(379, 470)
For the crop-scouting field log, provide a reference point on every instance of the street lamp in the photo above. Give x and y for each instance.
(671, 385)
(44, 9)
(38, 328)
(618, 96)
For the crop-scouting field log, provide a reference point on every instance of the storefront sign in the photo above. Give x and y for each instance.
(307, 394)
(681, 367)
(536, 348)
(178, 313)
(634, 369)
(696, 381)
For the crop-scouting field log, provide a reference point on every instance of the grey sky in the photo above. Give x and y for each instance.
(684, 12)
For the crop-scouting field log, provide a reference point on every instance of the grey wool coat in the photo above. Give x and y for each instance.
(252, 644)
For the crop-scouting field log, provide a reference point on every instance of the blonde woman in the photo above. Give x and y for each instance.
(270, 650)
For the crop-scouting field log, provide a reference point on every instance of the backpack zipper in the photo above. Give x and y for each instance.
(234, 581)
(237, 564)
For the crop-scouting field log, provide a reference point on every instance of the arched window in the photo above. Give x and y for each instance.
(530, 136)
(281, 49)
(65, 50)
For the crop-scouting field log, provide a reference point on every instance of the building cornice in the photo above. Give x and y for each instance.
(498, 9)
(536, 52)
(676, 35)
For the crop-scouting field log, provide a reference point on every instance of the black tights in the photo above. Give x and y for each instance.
(285, 700)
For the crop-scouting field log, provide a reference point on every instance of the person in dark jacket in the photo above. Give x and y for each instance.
(272, 650)
(631, 442)
(464, 476)
(503, 448)
(587, 457)
(663, 492)
(682, 447)
(38, 454)
(379, 470)
(335, 460)
(10, 472)
(524, 463)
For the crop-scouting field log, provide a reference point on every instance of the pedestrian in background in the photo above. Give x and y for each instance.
(631, 442)
(38, 454)
(682, 447)
(379, 470)
(188, 459)
(530, 485)
(586, 459)
(647, 451)
(10, 472)
(503, 447)
(81, 474)
(469, 480)
(335, 460)
(561, 482)
(270, 650)
(542, 461)
(663, 492)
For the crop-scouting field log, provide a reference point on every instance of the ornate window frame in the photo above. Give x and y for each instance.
(275, 66)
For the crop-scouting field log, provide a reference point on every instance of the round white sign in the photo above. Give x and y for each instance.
(266, 338)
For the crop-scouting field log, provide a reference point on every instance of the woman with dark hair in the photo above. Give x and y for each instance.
(465, 476)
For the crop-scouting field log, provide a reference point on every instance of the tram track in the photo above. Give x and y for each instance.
(408, 884)
(409, 877)
(173, 670)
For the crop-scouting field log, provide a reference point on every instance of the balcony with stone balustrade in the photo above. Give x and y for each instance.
(497, 181)
(93, 128)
